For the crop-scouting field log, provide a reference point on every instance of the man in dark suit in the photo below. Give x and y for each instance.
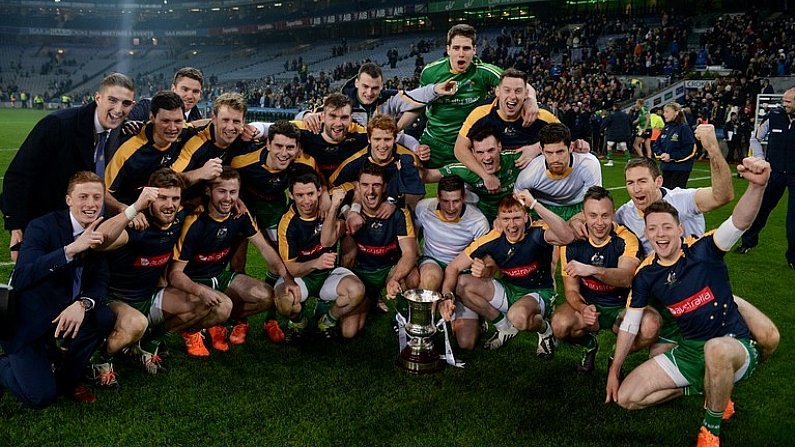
(61, 284)
(61, 144)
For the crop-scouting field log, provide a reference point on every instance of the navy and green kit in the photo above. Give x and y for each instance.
(525, 263)
(136, 267)
(695, 290)
(377, 240)
(205, 243)
(511, 133)
(264, 191)
(405, 180)
(136, 159)
(299, 238)
(619, 243)
(329, 154)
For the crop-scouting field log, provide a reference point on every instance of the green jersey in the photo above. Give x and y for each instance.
(643, 116)
(447, 113)
(507, 174)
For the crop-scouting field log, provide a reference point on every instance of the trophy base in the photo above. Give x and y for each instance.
(419, 362)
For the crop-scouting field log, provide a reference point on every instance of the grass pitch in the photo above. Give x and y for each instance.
(351, 393)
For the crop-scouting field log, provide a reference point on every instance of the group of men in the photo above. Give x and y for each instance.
(515, 193)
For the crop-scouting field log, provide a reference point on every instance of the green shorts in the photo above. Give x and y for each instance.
(268, 214)
(565, 212)
(374, 280)
(514, 293)
(220, 282)
(151, 308)
(685, 363)
(442, 153)
(428, 259)
(669, 329)
(608, 315)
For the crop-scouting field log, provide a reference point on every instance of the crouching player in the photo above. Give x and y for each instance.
(691, 280)
(522, 298)
(307, 244)
(202, 254)
(597, 273)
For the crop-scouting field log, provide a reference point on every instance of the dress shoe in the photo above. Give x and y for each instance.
(792, 265)
(83, 395)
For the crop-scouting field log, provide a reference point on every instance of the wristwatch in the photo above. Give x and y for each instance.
(87, 303)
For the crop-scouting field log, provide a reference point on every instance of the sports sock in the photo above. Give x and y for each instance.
(151, 341)
(589, 341)
(547, 329)
(270, 313)
(328, 320)
(101, 355)
(271, 278)
(300, 323)
(501, 323)
(712, 420)
(691, 391)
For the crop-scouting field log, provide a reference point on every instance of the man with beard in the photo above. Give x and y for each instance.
(560, 178)
(386, 248)
(62, 143)
(338, 140)
(200, 258)
(144, 310)
(307, 244)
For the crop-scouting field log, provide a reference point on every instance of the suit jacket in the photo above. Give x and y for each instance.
(43, 279)
(61, 144)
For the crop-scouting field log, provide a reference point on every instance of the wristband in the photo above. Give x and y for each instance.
(356, 207)
(533, 205)
(344, 209)
(130, 212)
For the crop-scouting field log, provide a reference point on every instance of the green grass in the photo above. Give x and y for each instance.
(352, 394)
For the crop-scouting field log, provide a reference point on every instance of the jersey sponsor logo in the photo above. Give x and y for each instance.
(328, 167)
(377, 251)
(212, 257)
(597, 286)
(692, 303)
(265, 196)
(152, 261)
(519, 272)
(311, 251)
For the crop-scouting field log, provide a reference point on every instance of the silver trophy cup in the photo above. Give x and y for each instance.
(419, 356)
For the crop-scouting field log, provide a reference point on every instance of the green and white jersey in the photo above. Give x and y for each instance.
(447, 113)
(567, 189)
(507, 175)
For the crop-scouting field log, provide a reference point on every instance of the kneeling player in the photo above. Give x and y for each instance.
(307, 244)
(597, 274)
(202, 254)
(522, 298)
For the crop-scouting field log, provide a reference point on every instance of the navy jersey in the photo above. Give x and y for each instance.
(136, 268)
(261, 182)
(620, 243)
(377, 241)
(299, 238)
(205, 242)
(328, 154)
(695, 289)
(130, 168)
(405, 180)
(512, 134)
(525, 263)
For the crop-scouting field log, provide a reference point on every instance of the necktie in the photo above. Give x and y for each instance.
(99, 155)
(77, 274)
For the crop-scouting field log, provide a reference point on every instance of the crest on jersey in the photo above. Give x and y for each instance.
(221, 233)
(671, 281)
(598, 260)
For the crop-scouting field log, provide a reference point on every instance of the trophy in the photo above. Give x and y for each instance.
(419, 356)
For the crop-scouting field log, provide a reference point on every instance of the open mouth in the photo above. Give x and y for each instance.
(511, 105)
